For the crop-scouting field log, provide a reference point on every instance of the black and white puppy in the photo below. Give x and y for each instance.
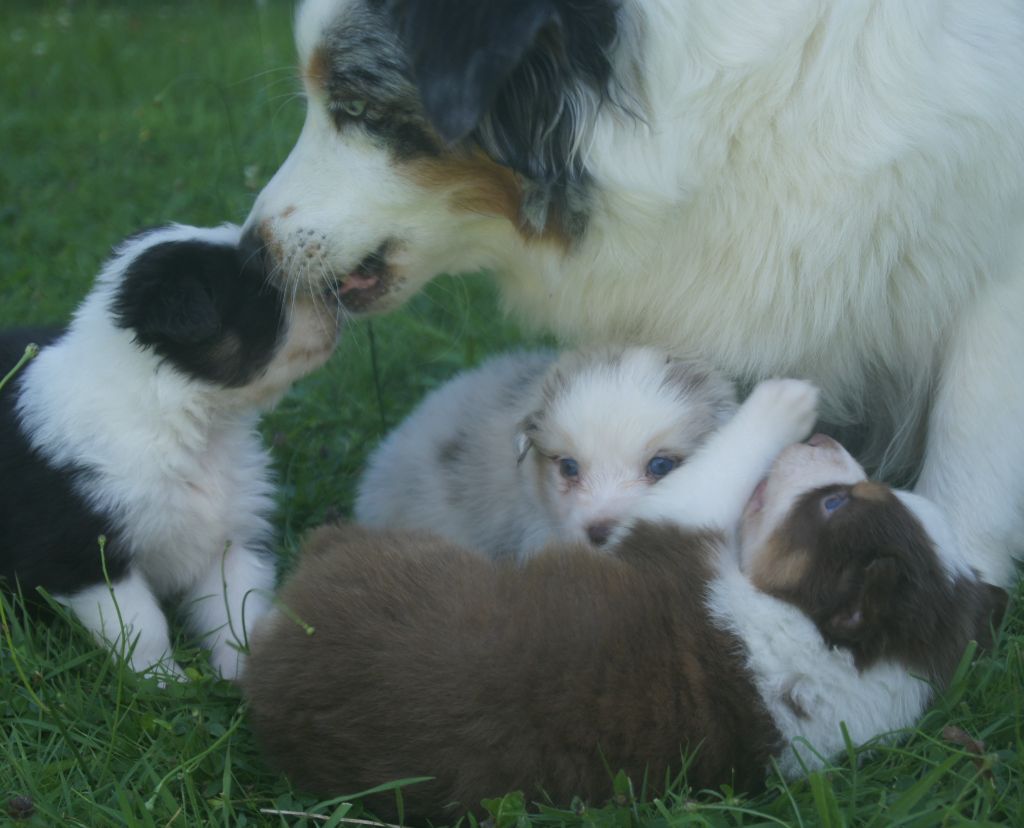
(138, 422)
(735, 621)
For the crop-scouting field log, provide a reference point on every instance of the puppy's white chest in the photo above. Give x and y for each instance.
(194, 507)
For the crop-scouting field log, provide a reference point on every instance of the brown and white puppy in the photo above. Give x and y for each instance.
(425, 659)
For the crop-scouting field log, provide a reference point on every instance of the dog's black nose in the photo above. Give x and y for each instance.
(600, 532)
(253, 254)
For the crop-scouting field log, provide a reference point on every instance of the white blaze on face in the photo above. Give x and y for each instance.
(798, 469)
(611, 418)
(348, 192)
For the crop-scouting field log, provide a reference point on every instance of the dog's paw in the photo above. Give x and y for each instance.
(786, 408)
(165, 672)
(227, 661)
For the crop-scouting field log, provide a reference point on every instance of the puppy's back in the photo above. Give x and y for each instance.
(450, 467)
(427, 660)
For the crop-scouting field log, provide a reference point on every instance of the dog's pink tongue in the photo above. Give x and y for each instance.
(356, 281)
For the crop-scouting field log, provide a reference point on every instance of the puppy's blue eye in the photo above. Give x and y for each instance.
(569, 468)
(660, 466)
(833, 502)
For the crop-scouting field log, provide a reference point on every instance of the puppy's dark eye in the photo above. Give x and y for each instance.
(568, 468)
(659, 466)
(833, 502)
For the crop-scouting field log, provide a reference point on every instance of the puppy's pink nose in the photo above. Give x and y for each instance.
(822, 441)
(600, 532)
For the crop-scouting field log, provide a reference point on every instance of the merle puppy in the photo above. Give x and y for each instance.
(138, 423)
(531, 447)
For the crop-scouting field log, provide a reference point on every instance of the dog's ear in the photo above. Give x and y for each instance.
(692, 379)
(524, 437)
(462, 51)
(990, 606)
(863, 612)
(167, 295)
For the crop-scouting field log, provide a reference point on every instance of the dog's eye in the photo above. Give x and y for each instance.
(834, 501)
(659, 466)
(568, 468)
(347, 110)
(353, 108)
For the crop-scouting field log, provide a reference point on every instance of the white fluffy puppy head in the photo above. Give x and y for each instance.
(609, 425)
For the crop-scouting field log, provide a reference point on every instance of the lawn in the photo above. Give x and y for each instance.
(119, 115)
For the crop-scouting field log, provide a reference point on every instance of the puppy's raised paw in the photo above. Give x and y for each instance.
(785, 408)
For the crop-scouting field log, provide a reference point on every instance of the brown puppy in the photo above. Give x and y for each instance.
(428, 660)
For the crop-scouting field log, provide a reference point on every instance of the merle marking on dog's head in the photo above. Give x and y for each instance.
(202, 304)
(610, 424)
(875, 569)
(439, 121)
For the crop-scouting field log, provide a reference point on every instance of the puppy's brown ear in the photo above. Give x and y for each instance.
(864, 613)
(990, 608)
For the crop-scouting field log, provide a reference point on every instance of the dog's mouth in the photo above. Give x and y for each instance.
(368, 281)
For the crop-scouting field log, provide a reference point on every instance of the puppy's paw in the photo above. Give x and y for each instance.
(227, 660)
(165, 672)
(785, 408)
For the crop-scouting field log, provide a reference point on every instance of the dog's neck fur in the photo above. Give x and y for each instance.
(727, 106)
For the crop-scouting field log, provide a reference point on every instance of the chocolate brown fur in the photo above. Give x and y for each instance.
(428, 660)
(869, 578)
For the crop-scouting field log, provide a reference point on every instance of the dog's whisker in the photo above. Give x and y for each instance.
(283, 69)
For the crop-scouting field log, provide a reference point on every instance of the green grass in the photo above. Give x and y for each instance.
(115, 116)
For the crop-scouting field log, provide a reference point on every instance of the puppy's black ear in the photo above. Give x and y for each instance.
(863, 613)
(462, 51)
(166, 296)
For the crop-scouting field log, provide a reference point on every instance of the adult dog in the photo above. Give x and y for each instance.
(833, 190)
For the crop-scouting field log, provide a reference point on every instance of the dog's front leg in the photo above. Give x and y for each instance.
(974, 462)
(710, 489)
(227, 601)
(127, 616)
